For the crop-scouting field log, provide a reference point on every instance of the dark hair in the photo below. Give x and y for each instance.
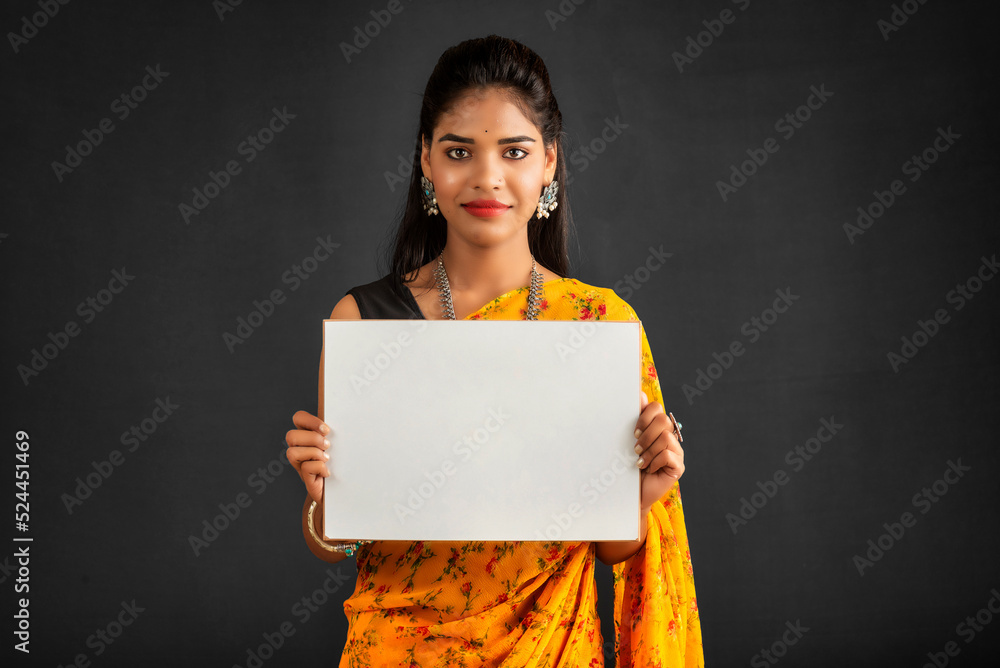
(485, 62)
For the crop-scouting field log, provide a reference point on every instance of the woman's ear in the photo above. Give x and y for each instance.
(425, 158)
(550, 163)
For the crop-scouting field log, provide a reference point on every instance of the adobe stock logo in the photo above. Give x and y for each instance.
(86, 309)
(303, 610)
(914, 168)
(230, 511)
(584, 155)
(135, 436)
(577, 339)
(787, 125)
(37, 21)
(753, 329)
(796, 458)
(895, 530)
(471, 443)
(562, 12)
(223, 7)
(898, 18)
(591, 490)
(104, 636)
(967, 629)
(714, 28)
(122, 106)
(294, 276)
(249, 149)
(926, 330)
(779, 648)
(642, 273)
(390, 350)
(372, 29)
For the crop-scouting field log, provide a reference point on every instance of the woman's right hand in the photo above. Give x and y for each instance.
(307, 451)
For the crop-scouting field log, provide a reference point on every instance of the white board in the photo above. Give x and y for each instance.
(494, 430)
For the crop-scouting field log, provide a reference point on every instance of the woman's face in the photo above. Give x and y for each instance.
(486, 149)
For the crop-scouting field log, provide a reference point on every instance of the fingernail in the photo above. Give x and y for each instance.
(638, 462)
(638, 449)
(326, 443)
(637, 433)
(324, 429)
(326, 455)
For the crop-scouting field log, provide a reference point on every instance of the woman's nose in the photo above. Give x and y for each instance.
(487, 172)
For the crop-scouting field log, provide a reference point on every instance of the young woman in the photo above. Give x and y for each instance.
(484, 236)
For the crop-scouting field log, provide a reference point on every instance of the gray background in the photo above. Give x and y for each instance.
(654, 185)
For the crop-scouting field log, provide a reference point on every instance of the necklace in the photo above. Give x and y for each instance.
(444, 289)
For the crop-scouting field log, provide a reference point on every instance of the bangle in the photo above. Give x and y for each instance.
(347, 547)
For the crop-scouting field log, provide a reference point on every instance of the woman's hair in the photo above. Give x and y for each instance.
(478, 64)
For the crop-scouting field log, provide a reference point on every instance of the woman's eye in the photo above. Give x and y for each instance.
(459, 153)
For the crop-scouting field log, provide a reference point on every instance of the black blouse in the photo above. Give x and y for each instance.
(386, 299)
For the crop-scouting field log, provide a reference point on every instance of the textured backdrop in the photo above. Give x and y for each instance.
(798, 199)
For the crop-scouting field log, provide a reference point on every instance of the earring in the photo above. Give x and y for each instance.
(427, 191)
(547, 201)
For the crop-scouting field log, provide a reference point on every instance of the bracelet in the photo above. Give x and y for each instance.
(347, 547)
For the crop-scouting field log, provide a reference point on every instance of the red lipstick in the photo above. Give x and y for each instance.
(485, 208)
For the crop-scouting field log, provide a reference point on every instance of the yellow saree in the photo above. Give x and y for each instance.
(529, 604)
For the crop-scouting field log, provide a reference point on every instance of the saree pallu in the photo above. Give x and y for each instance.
(525, 604)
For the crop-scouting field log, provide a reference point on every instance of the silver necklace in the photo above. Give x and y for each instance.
(444, 289)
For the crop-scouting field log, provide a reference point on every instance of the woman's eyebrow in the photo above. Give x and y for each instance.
(468, 140)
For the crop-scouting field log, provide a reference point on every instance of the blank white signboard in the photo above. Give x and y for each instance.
(494, 430)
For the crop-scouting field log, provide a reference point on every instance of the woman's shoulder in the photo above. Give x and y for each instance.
(385, 287)
(593, 301)
(379, 284)
(384, 298)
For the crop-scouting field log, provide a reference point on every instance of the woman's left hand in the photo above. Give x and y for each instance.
(661, 452)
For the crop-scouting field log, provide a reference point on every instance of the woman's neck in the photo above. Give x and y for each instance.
(487, 270)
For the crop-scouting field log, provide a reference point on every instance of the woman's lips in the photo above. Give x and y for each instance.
(485, 208)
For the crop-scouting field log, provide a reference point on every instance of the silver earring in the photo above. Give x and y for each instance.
(547, 201)
(427, 192)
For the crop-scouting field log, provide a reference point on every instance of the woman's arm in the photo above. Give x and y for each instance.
(346, 309)
(314, 547)
(615, 551)
(663, 462)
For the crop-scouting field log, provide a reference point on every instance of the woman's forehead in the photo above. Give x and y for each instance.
(482, 111)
